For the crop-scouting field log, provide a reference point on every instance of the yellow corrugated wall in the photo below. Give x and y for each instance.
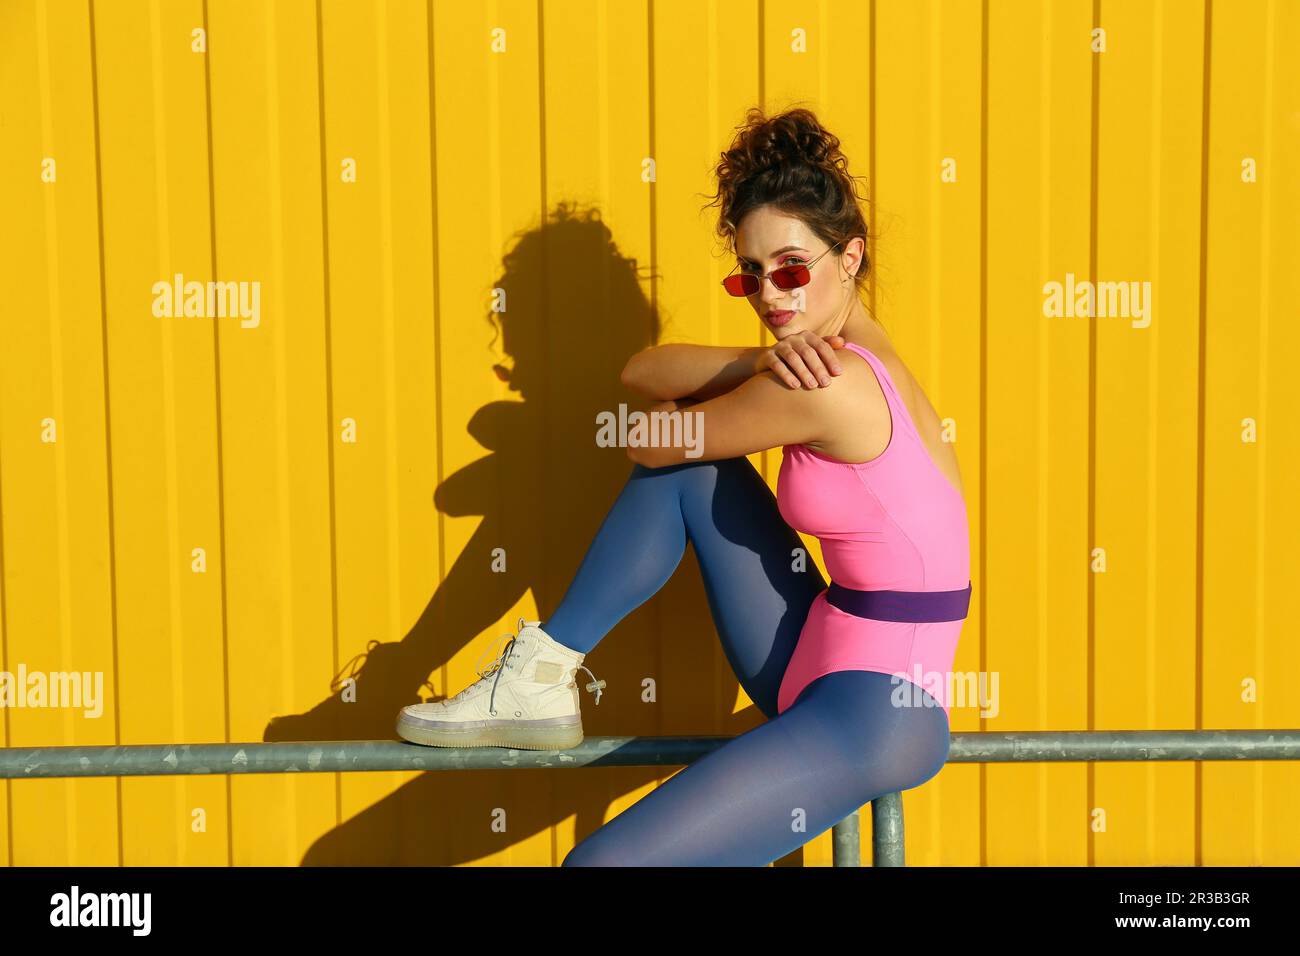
(220, 516)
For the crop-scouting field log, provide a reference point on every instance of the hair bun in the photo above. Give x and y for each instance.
(796, 137)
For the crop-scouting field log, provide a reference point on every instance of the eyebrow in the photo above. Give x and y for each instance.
(776, 253)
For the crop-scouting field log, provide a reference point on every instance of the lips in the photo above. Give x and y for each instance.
(779, 319)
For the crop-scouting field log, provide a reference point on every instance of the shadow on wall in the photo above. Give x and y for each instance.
(576, 313)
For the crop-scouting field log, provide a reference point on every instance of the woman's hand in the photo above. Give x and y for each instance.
(804, 357)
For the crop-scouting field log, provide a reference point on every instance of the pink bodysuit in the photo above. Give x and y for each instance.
(893, 524)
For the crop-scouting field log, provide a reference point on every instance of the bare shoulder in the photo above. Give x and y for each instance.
(859, 376)
(853, 411)
(844, 392)
(842, 416)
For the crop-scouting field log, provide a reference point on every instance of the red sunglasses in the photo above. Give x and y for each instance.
(784, 278)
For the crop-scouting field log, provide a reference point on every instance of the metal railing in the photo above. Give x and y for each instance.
(343, 756)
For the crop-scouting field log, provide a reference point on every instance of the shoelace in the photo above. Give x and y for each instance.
(499, 666)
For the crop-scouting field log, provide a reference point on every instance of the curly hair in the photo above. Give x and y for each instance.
(793, 164)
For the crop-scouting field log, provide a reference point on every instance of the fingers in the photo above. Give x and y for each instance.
(816, 367)
(777, 365)
(814, 364)
(819, 359)
(806, 359)
(827, 353)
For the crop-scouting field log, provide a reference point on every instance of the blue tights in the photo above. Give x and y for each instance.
(765, 793)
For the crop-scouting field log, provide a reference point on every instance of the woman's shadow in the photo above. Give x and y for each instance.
(575, 311)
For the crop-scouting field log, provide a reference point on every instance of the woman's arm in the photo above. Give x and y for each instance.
(680, 370)
(760, 413)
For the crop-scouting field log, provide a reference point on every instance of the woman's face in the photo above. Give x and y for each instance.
(767, 239)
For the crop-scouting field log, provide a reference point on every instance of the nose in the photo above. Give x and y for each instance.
(772, 298)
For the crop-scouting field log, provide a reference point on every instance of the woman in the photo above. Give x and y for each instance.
(863, 469)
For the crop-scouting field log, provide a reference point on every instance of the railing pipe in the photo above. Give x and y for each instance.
(342, 756)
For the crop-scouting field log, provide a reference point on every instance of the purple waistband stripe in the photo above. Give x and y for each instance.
(909, 607)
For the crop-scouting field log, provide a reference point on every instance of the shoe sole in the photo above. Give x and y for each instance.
(514, 738)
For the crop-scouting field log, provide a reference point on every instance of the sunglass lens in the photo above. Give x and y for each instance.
(790, 277)
(741, 284)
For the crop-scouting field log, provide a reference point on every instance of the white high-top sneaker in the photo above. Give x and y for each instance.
(526, 699)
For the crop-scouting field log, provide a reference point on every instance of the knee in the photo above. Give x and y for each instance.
(684, 468)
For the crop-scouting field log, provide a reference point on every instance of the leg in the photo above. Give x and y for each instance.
(745, 550)
(843, 743)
